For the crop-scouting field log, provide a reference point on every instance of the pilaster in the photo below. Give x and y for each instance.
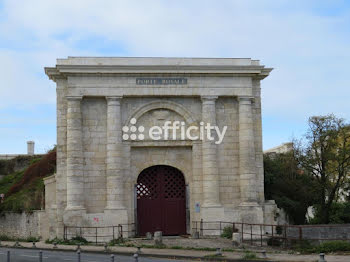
(211, 193)
(75, 172)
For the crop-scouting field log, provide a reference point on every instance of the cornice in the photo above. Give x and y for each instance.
(62, 71)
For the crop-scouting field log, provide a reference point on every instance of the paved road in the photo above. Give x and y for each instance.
(29, 255)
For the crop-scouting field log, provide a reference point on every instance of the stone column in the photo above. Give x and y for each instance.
(115, 179)
(247, 166)
(211, 193)
(75, 175)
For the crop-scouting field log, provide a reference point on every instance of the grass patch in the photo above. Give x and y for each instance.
(28, 239)
(213, 256)
(8, 181)
(325, 247)
(24, 190)
(74, 241)
(249, 255)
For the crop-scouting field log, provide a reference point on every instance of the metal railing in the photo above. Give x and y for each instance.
(100, 234)
(276, 235)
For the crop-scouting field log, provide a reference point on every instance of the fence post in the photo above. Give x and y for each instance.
(242, 232)
(113, 233)
(251, 234)
(80, 232)
(272, 233)
(300, 233)
(285, 236)
(201, 227)
(261, 236)
(96, 235)
(8, 256)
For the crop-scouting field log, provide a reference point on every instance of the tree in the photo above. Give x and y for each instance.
(325, 156)
(290, 187)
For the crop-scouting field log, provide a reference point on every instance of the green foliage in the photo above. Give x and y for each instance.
(8, 181)
(339, 214)
(80, 240)
(116, 242)
(325, 155)
(24, 190)
(274, 242)
(249, 255)
(279, 230)
(27, 199)
(28, 239)
(325, 247)
(74, 241)
(292, 189)
(227, 232)
(10, 166)
(333, 246)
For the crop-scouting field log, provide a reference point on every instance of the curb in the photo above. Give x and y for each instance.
(126, 253)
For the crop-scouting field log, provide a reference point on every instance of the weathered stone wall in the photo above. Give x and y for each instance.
(20, 225)
(320, 232)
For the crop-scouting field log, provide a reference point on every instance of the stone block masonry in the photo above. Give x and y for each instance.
(97, 170)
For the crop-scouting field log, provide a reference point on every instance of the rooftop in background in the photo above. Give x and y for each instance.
(283, 148)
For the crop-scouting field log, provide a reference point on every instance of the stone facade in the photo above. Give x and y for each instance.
(97, 170)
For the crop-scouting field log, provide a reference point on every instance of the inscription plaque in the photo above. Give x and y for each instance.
(161, 81)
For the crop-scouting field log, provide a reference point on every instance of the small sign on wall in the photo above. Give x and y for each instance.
(197, 207)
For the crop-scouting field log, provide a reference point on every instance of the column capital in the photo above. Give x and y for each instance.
(209, 98)
(114, 98)
(74, 98)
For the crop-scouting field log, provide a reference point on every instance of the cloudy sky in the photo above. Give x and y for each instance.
(306, 42)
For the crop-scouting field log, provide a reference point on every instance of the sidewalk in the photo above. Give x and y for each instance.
(181, 254)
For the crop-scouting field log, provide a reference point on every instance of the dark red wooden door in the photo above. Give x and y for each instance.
(161, 201)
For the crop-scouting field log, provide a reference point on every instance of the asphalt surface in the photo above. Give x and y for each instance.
(29, 255)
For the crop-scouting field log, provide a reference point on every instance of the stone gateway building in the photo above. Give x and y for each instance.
(157, 143)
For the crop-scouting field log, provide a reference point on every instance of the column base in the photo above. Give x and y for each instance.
(251, 212)
(116, 216)
(210, 214)
(74, 216)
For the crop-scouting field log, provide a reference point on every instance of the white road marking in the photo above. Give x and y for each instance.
(31, 256)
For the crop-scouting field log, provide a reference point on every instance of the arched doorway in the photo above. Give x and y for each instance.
(161, 201)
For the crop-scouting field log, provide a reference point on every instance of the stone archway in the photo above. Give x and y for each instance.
(161, 201)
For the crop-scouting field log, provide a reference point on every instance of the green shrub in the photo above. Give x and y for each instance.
(249, 255)
(117, 242)
(274, 242)
(79, 240)
(5, 238)
(227, 232)
(74, 241)
(28, 239)
(279, 230)
(333, 246)
(325, 247)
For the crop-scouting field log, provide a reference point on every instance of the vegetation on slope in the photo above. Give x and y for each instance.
(24, 190)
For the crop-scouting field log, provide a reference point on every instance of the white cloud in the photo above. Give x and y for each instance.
(309, 51)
